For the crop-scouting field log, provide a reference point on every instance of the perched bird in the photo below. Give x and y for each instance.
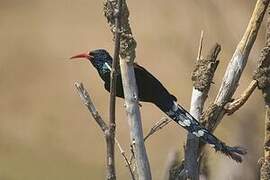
(151, 90)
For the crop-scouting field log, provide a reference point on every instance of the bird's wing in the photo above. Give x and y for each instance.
(142, 72)
(119, 86)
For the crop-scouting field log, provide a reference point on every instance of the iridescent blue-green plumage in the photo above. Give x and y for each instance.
(151, 90)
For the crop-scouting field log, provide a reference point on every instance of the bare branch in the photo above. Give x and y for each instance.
(191, 165)
(86, 99)
(215, 112)
(89, 104)
(157, 126)
(127, 53)
(125, 158)
(231, 107)
(200, 46)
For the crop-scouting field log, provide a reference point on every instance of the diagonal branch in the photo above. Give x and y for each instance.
(231, 107)
(157, 126)
(125, 158)
(84, 95)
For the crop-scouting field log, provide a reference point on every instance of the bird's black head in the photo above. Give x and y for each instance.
(100, 59)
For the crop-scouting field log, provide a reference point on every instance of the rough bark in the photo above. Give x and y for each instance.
(202, 77)
(262, 75)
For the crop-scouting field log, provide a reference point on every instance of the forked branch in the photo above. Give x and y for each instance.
(86, 99)
(216, 111)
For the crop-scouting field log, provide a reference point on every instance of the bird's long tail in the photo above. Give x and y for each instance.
(187, 121)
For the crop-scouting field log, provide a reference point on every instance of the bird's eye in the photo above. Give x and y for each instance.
(91, 53)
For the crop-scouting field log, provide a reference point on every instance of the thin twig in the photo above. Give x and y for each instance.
(200, 46)
(157, 126)
(231, 107)
(125, 158)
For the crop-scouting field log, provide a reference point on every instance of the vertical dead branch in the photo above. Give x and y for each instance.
(111, 175)
(127, 53)
(192, 144)
(202, 78)
(262, 75)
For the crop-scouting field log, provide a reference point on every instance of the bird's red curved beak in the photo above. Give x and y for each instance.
(82, 55)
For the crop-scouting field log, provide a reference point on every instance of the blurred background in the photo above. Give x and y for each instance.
(46, 133)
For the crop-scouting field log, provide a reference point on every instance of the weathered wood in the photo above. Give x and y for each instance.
(231, 107)
(235, 67)
(191, 165)
(127, 54)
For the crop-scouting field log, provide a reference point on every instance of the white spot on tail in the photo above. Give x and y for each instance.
(212, 145)
(187, 122)
(182, 123)
(196, 134)
(199, 133)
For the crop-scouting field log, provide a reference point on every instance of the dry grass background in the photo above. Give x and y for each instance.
(45, 131)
